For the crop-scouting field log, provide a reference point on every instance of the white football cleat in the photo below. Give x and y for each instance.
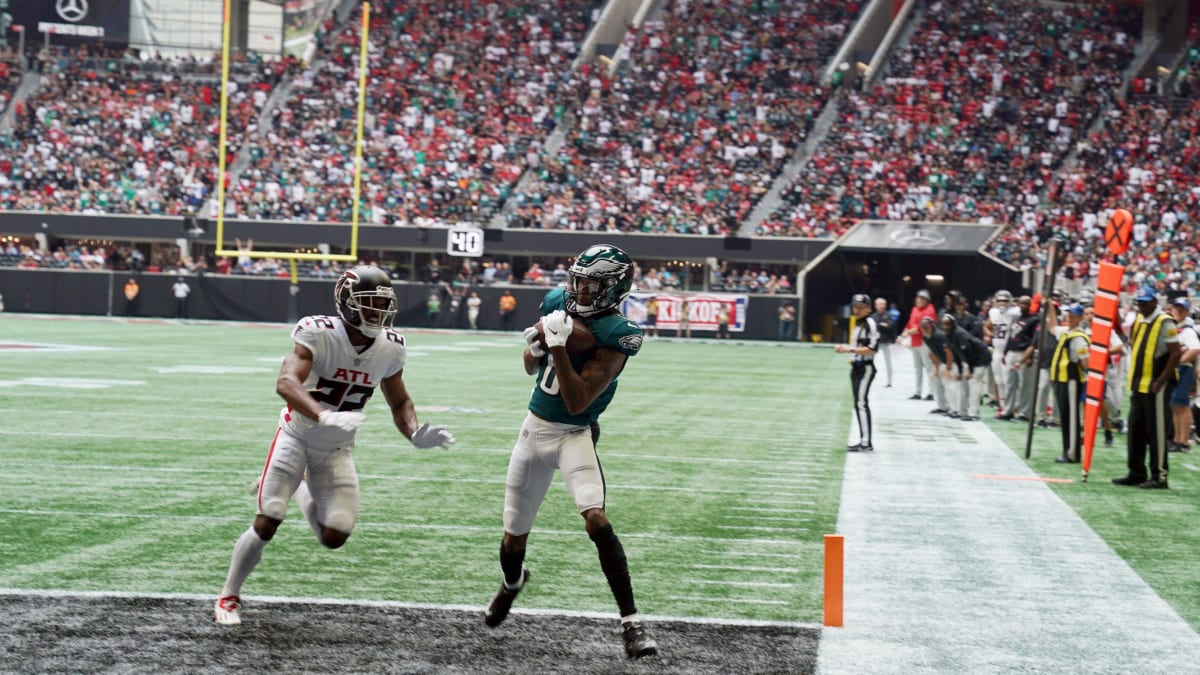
(226, 611)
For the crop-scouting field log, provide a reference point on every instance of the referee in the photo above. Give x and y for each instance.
(863, 344)
(1068, 372)
(1153, 355)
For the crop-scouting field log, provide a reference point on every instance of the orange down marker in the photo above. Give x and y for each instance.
(1108, 290)
(833, 579)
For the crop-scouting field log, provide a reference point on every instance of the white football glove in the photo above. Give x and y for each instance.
(346, 421)
(531, 341)
(432, 436)
(557, 327)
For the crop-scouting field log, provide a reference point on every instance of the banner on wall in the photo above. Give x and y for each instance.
(74, 21)
(702, 309)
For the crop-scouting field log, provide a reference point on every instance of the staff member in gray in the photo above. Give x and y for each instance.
(887, 335)
(863, 345)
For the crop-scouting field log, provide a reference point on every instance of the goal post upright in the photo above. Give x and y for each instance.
(223, 141)
(363, 65)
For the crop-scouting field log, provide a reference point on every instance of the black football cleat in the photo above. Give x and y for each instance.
(1129, 480)
(497, 609)
(866, 447)
(1154, 484)
(638, 642)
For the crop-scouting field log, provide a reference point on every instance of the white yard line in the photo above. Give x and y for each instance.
(754, 554)
(745, 584)
(946, 573)
(727, 599)
(758, 518)
(769, 509)
(748, 568)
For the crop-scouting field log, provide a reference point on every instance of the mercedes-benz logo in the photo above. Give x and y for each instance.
(71, 10)
(918, 237)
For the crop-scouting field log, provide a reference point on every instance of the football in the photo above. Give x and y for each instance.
(580, 340)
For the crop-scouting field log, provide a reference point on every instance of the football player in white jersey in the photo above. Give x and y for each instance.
(998, 327)
(334, 367)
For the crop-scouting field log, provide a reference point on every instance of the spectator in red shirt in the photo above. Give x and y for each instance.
(921, 359)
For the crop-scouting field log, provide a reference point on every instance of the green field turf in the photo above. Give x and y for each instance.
(129, 447)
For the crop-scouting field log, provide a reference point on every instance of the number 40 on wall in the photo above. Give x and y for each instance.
(465, 240)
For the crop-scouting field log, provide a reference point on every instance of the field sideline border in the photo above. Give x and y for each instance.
(342, 602)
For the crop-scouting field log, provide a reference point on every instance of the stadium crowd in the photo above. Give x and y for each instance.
(10, 76)
(450, 124)
(710, 102)
(109, 132)
(976, 111)
(985, 114)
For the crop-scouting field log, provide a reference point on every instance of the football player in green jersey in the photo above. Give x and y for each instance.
(560, 430)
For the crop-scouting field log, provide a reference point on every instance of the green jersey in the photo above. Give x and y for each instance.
(612, 330)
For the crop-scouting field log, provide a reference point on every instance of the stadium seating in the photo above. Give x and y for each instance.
(999, 111)
(714, 98)
(459, 92)
(10, 77)
(975, 113)
(110, 133)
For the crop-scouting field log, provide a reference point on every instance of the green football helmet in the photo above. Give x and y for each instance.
(606, 272)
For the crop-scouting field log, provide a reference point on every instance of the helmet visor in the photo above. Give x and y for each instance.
(377, 309)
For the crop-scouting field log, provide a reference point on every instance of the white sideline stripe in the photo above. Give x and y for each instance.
(379, 525)
(1037, 588)
(474, 609)
(747, 584)
(747, 568)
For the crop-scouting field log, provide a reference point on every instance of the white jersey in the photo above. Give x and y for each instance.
(342, 378)
(1002, 321)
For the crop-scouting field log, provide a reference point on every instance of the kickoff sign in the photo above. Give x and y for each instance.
(702, 309)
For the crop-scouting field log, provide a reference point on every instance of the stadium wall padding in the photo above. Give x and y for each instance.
(238, 298)
(286, 236)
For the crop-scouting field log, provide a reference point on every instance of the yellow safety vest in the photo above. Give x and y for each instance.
(1061, 369)
(1144, 344)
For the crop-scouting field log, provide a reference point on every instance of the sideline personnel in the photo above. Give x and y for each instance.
(1068, 372)
(1152, 359)
(863, 345)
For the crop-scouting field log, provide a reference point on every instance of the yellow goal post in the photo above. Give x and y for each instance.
(222, 143)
